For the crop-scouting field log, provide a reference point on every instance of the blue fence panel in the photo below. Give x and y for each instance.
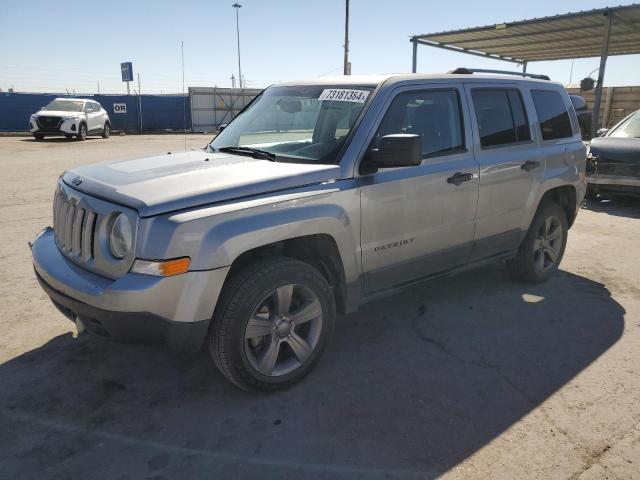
(120, 121)
(159, 112)
(165, 113)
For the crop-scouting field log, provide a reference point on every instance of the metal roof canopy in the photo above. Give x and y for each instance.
(593, 33)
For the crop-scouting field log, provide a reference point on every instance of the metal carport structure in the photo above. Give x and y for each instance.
(593, 33)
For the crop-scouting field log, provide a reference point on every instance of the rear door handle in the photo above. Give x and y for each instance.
(530, 165)
(459, 177)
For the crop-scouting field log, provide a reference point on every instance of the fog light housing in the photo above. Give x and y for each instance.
(73, 127)
(161, 268)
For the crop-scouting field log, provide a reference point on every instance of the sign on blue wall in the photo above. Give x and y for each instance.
(126, 69)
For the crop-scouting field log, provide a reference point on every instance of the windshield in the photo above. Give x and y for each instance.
(296, 124)
(65, 105)
(630, 128)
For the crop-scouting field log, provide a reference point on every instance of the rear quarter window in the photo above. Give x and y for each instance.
(553, 116)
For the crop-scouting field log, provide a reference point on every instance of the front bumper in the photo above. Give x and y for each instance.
(138, 308)
(613, 180)
(63, 127)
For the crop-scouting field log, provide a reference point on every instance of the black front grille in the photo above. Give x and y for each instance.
(49, 124)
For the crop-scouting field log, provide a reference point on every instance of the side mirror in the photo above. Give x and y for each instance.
(396, 150)
(222, 126)
(602, 131)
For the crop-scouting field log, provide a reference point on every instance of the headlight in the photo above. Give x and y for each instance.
(69, 118)
(121, 236)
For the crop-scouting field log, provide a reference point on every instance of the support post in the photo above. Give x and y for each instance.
(414, 64)
(603, 62)
(524, 67)
(607, 106)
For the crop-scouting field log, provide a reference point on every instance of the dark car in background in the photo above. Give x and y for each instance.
(614, 159)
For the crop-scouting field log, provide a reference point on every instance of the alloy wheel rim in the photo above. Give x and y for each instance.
(283, 330)
(547, 244)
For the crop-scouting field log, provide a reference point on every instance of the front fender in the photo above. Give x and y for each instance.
(215, 236)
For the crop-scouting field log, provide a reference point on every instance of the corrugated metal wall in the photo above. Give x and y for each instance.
(617, 102)
(211, 107)
(159, 112)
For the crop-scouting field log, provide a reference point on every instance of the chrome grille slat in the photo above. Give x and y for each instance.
(68, 226)
(87, 236)
(64, 210)
(77, 231)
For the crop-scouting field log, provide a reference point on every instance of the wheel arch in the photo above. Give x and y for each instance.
(318, 250)
(566, 196)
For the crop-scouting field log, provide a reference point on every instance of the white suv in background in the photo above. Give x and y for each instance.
(71, 117)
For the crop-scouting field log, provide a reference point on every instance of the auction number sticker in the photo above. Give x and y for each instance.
(344, 95)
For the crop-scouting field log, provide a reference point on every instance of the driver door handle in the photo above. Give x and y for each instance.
(530, 165)
(459, 177)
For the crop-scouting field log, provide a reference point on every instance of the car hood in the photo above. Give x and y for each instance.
(615, 149)
(163, 183)
(57, 113)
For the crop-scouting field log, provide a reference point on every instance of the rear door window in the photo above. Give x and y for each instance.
(501, 116)
(553, 116)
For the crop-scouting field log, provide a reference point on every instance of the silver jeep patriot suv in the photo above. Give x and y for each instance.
(321, 195)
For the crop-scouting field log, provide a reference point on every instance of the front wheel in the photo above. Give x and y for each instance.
(106, 131)
(543, 246)
(272, 322)
(82, 132)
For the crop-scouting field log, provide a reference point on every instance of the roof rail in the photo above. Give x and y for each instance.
(469, 71)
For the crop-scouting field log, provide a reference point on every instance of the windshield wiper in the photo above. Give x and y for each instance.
(253, 151)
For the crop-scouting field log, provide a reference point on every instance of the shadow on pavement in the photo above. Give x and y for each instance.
(409, 387)
(617, 205)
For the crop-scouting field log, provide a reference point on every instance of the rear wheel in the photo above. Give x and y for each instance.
(543, 246)
(106, 131)
(82, 132)
(272, 322)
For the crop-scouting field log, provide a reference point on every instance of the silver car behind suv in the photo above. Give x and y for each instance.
(321, 195)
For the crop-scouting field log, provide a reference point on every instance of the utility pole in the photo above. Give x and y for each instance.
(237, 6)
(139, 103)
(347, 66)
(98, 88)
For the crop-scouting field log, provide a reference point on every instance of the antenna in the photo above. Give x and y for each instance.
(184, 98)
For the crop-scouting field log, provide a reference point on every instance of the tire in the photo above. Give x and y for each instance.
(106, 131)
(38, 136)
(82, 132)
(542, 249)
(254, 293)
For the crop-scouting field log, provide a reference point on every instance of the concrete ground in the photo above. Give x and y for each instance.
(470, 377)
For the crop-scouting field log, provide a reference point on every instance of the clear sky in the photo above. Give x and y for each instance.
(53, 46)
